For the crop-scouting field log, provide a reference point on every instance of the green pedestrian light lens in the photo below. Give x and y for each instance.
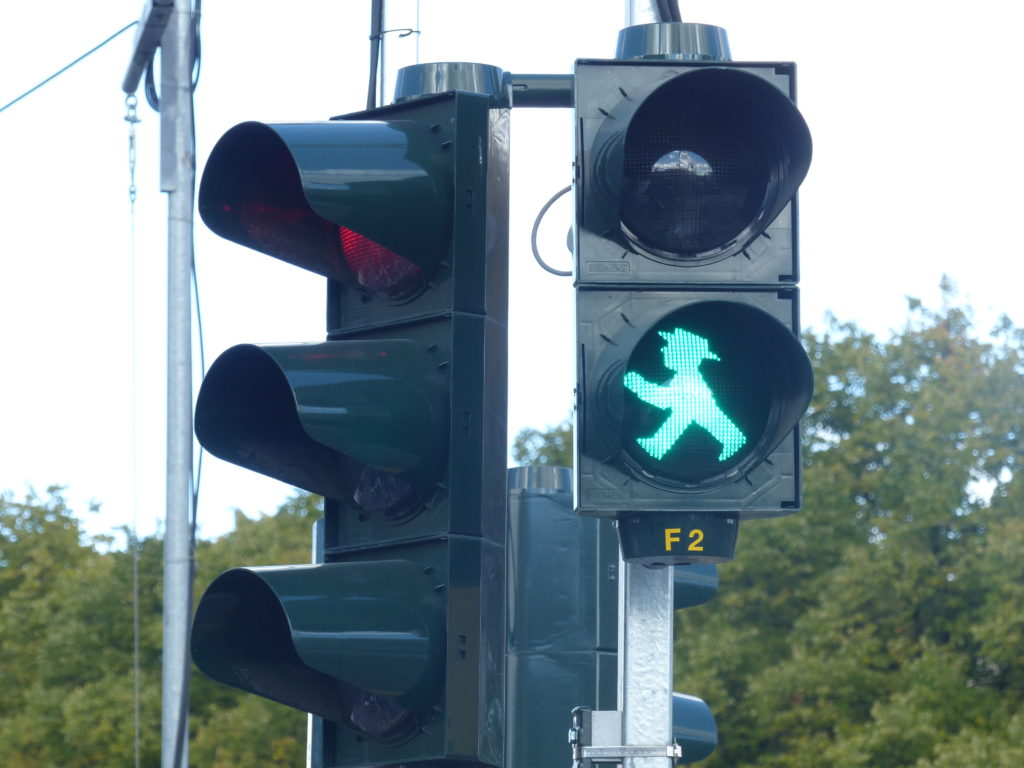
(686, 397)
(696, 398)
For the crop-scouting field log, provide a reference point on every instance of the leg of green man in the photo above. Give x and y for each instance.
(658, 444)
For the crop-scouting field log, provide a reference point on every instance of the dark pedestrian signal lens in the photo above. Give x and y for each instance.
(691, 187)
(704, 162)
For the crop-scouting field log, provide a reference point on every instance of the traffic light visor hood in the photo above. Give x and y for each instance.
(340, 640)
(323, 196)
(318, 415)
(709, 160)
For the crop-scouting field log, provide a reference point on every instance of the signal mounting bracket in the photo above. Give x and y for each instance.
(595, 736)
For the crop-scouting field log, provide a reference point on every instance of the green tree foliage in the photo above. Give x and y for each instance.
(552, 446)
(66, 670)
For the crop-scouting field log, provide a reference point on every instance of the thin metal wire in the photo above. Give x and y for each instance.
(132, 117)
(536, 227)
(62, 70)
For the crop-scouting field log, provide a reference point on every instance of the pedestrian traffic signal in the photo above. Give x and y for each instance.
(691, 376)
(394, 640)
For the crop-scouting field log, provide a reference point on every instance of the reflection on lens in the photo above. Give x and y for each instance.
(382, 719)
(697, 168)
(684, 161)
(384, 496)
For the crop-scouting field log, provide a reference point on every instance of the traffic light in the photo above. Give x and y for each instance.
(691, 376)
(563, 633)
(395, 640)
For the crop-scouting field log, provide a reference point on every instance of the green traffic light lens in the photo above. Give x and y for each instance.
(698, 393)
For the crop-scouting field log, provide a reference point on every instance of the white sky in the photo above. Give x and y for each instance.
(915, 112)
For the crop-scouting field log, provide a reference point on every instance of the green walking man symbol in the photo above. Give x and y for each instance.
(686, 396)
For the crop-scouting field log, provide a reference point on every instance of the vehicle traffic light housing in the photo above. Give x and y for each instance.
(563, 633)
(690, 374)
(395, 641)
(356, 642)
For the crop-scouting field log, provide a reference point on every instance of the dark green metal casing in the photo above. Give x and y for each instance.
(396, 373)
(690, 375)
(632, 115)
(563, 627)
(303, 413)
(327, 636)
(278, 188)
(563, 623)
(395, 642)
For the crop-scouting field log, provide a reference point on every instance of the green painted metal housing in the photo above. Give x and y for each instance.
(314, 415)
(332, 639)
(284, 189)
(690, 374)
(395, 642)
(563, 626)
(685, 167)
(693, 727)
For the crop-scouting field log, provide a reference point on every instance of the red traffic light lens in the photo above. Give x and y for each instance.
(378, 270)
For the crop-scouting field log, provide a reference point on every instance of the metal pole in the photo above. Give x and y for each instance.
(645, 660)
(178, 179)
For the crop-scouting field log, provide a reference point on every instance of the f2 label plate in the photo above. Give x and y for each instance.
(678, 538)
